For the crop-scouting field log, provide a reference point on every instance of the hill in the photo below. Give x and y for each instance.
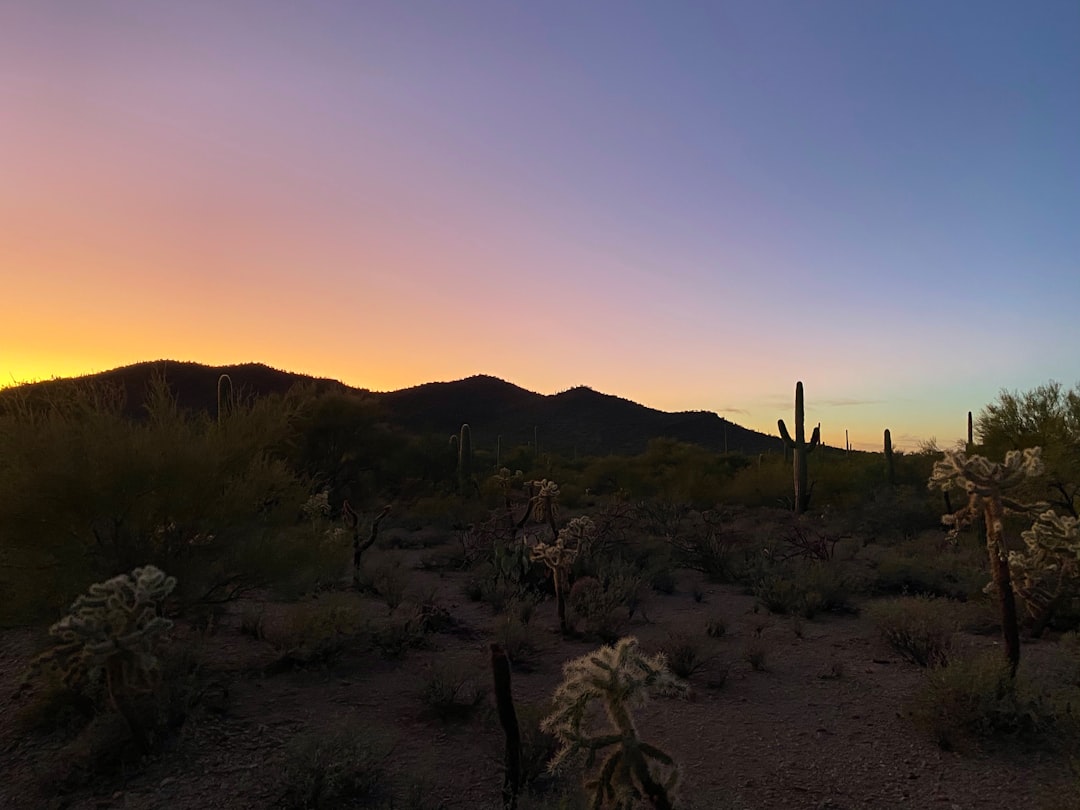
(580, 420)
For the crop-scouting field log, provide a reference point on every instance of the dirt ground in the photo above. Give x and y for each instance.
(825, 724)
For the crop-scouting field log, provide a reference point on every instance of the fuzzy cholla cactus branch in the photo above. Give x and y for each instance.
(620, 677)
(1046, 574)
(981, 478)
(545, 504)
(559, 556)
(111, 635)
(978, 474)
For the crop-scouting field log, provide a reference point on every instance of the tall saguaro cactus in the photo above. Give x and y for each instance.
(890, 470)
(225, 399)
(465, 459)
(800, 449)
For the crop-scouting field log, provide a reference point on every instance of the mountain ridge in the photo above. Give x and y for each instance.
(579, 420)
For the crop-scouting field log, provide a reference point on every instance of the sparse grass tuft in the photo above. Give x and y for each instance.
(449, 694)
(920, 628)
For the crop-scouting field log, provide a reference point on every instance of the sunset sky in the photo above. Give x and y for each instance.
(688, 205)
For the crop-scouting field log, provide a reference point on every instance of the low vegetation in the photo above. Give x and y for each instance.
(304, 532)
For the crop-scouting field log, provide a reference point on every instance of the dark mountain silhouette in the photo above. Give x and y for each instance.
(580, 420)
(193, 384)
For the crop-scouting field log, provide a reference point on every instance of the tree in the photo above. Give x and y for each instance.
(1046, 417)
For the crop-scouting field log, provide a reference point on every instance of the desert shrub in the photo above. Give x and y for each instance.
(253, 622)
(317, 632)
(335, 767)
(389, 578)
(432, 617)
(623, 584)
(662, 580)
(450, 694)
(596, 604)
(897, 513)
(975, 699)
(537, 745)
(920, 628)
(804, 588)
(519, 643)
(685, 655)
(716, 627)
(756, 655)
(396, 637)
(928, 564)
(586, 598)
(85, 491)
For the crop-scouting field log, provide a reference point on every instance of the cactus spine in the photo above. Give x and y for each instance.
(800, 449)
(890, 470)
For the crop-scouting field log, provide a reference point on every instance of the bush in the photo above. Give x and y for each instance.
(684, 655)
(804, 588)
(974, 699)
(332, 767)
(920, 628)
(317, 632)
(86, 491)
(449, 694)
(397, 637)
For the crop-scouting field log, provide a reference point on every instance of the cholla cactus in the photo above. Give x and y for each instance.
(110, 638)
(559, 556)
(621, 678)
(317, 507)
(1046, 575)
(545, 503)
(986, 483)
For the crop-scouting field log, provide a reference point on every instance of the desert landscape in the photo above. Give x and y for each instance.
(321, 629)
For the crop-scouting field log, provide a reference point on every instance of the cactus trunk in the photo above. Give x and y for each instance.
(994, 514)
(800, 449)
(465, 460)
(504, 704)
(890, 470)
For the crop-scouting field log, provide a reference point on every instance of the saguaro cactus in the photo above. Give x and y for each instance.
(504, 703)
(971, 434)
(890, 470)
(224, 396)
(465, 459)
(986, 483)
(800, 449)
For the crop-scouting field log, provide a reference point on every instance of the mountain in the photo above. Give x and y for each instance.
(580, 421)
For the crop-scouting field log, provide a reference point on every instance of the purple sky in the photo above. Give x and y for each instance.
(689, 207)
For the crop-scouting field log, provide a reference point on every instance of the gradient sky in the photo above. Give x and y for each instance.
(688, 205)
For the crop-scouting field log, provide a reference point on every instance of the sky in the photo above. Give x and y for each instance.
(689, 205)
